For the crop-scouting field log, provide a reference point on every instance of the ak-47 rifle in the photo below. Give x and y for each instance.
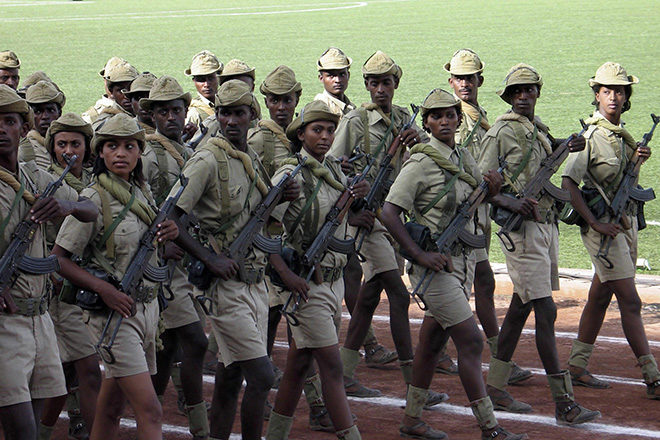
(537, 186)
(325, 239)
(192, 140)
(628, 190)
(132, 281)
(382, 183)
(250, 235)
(454, 233)
(15, 258)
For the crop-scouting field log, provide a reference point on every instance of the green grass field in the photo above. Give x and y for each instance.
(565, 40)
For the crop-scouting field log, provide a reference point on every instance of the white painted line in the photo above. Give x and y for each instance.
(10, 4)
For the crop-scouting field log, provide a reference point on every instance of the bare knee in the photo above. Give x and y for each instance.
(152, 412)
(89, 373)
(545, 312)
(631, 306)
(193, 340)
(484, 281)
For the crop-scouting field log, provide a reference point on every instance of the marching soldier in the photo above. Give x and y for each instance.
(204, 71)
(333, 67)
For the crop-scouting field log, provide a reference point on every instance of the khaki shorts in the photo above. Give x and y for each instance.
(135, 345)
(73, 338)
(276, 295)
(320, 316)
(30, 366)
(622, 253)
(447, 295)
(239, 320)
(533, 266)
(378, 251)
(181, 310)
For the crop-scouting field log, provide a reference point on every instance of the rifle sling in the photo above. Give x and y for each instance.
(109, 228)
(14, 204)
(517, 128)
(311, 198)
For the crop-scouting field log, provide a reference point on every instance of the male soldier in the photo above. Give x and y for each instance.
(374, 126)
(31, 370)
(333, 67)
(523, 140)
(46, 102)
(204, 71)
(139, 89)
(162, 160)
(225, 184)
(466, 69)
(117, 76)
(9, 65)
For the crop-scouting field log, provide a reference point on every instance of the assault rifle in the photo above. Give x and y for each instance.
(382, 183)
(628, 190)
(132, 281)
(14, 258)
(535, 188)
(454, 233)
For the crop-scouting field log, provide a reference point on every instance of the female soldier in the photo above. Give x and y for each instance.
(320, 314)
(436, 179)
(108, 245)
(72, 136)
(600, 165)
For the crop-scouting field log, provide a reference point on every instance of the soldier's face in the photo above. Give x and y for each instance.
(381, 88)
(235, 122)
(142, 115)
(523, 98)
(610, 100)
(335, 82)
(170, 118)
(466, 87)
(117, 94)
(121, 155)
(442, 123)
(12, 129)
(69, 143)
(317, 137)
(206, 85)
(282, 107)
(10, 77)
(44, 114)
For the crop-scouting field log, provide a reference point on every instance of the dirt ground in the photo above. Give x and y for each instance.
(626, 413)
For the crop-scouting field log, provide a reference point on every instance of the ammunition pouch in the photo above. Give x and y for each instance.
(31, 306)
(68, 293)
(292, 260)
(421, 235)
(501, 215)
(594, 201)
(198, 274)
(331, 274)
(89, 300)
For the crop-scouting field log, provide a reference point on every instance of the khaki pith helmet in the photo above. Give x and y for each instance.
(43, 92)
(69, 122)
(204, 63)
(9, 60)
(464, 62)
(236, 67)
(439, 98)
(120, 71)
(280, 81)
(612, 74)
(333, 59)
(10, 102)
(165, 89)
(381, 64)
(119, 125)
(314, 111)
(143, 83)
(234, 93)
(520, 74)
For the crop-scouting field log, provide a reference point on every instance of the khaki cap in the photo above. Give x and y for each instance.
(381, 64)
(43, 92)
(9, 60)
(612, 74)
(314, 111)
(69, 122)
(520, 74)
(120, 72)
(464, 62)
(237, 68)
(204, 63)
(110, 64)
(280, 81)
(439, 98)
(119, 125)
(333, 59)
(143, 83)
(37, 76)
(165, 89)
(234, 93)
(10, 102)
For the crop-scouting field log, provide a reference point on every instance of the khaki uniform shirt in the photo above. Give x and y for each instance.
(212, 127)
(106, 113)
(271, 146)
(336, 106)
(160, 169)
(199, 109)
(92, 113)
(464, 130)
(31, 148)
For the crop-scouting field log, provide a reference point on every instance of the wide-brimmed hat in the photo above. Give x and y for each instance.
(464, 62)
(69, 122)
(314, 111)
(333, 59)
(234, 93)
(143, 83)
(9, 60)
(439, 98)
(204, 63)
(520, 74)
(164, 89)
(10, 102)
(118, 70)
(612, 74)
(236, 67)
(119, 125)
(381, 64)
(280, 81)
(43, 92)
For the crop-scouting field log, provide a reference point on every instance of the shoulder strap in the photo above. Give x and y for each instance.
(223, 174)
(310, 195)
(448, 185)
(109, 225)
(521, 137)
(14, 204)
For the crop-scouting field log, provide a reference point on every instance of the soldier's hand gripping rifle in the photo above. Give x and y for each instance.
(132, 282)
(15, 258)
(537, 186)
(628, 191)
(454, 233)
(325, 239)
(382, 183)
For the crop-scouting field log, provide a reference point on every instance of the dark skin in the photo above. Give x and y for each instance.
(206, 85)
(44, 114)
(282, 107)
(335, 82)
(144, 116)
(610, 100)
(442, 123)
(10, 77)
(466, 87)
(70, 143)
(116, 92)
(170, 117)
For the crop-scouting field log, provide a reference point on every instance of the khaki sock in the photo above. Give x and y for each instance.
(649, 368)
(483, 411)
(350, 360)
(351, 433)
(370, 338)
(45, 432)
(561, 386)
(406, 370)
(198, 420)
(492, 344)
(415, 401)
(313, 391)
(580, 354)
(279, 426)
(498, 373)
